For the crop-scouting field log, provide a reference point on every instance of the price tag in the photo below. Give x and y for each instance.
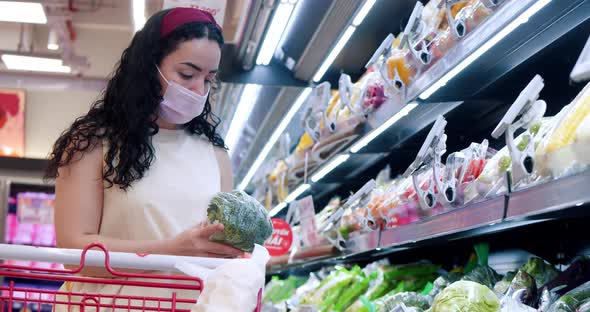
(307, 221)
(281, 239)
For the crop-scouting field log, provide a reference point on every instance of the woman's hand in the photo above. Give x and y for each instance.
(195, 242)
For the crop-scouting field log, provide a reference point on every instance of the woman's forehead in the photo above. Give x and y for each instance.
(203, 53)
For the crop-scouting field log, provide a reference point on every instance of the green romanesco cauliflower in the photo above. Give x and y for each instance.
(245, 220)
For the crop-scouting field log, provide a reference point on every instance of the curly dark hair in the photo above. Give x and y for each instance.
(124, 116)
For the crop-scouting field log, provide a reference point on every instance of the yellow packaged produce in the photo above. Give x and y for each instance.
(564, 134)
(305, 143)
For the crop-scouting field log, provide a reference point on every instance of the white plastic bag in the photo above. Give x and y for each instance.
(233, 286)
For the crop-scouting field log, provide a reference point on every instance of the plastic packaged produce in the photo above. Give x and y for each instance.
(556, 155)
(245, 220)
(442, 282)
(481, 272)
(331, 287)
(409, 299)
(401, 68)
(280, 290)
(576, 300)
(523, 289)
(575, 275)
(540, 270)
(466, 296)
(502, 286)
(464, 16)
(312, 283)
(350, 295)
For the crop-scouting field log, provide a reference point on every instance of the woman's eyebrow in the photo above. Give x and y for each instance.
(198, 68)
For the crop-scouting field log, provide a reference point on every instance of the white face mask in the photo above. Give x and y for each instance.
(180, 105)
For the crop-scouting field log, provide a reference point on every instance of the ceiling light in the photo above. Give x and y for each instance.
(329, 167)
(360, 16)
(297, 192)
(52, 41)
(275, 32)
(22, 12)
(273, 212)
(523, 18)
(31, 63)
(334, 53)
(274, 138)
(241, 115)
(138, 14)
(375, 133)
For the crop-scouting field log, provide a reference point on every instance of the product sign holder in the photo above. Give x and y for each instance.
(316, 103)
(433, 148)
(331, 225)
(581, 71)
(379, 60)
(458, 24)
(524, 112)
(414, 36)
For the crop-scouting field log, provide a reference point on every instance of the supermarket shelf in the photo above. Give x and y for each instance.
(550, 23)
(552, 197)
(470, 217)
(27, 164)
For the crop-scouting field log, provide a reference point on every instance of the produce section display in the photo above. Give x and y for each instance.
(423, 286)
(333, 119)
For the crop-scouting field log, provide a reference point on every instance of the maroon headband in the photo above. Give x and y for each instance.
(180, 16)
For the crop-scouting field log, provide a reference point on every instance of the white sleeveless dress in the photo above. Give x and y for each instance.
(172, 197)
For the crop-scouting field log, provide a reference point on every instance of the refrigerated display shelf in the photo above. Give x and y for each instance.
(551, 197)
(501, 213)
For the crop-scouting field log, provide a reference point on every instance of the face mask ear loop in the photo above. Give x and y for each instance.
(158, 68)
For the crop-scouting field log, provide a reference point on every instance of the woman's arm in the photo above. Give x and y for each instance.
(225, 168)
(79, 208)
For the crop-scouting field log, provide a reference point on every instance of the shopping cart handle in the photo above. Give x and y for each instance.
(96, 258)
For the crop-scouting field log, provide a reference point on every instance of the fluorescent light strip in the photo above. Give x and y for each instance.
(241, 115)
(329, 167)
(523, 18)
(375, 133)
(334, 53)
(52, 46)
(275, 32)
(273, 212)
(363, 12)
(274, 138)
(297, 192)
(31, 63)
(138, 14)
(22, 12)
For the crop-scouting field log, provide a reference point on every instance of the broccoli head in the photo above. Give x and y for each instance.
(245, 220)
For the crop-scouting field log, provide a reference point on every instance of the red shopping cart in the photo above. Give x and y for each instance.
(15, 297)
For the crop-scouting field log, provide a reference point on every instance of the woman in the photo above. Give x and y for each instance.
(136, 172)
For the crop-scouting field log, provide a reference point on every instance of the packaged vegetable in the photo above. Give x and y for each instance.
(541, 271)
(523, 289)
(338, 286)
(442, 282)
(409, 299)
(555, 155)
(577, 273)
(481, 273)
(245, 220)
(466, 296)
(576, 300)
(354, 292)
(502, 286)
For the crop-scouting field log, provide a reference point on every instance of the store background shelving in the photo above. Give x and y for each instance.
(473, 102)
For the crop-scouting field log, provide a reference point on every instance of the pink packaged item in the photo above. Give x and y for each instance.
(11, 228)
(25, 234)
(45, 235)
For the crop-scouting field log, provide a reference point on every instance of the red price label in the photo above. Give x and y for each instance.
(281, 239)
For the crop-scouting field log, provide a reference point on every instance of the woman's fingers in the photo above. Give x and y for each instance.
(221, 249)
(208, 230)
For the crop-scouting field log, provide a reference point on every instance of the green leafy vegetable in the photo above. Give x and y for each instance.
(523, 289)
(466, 296)
(245, 220)
(575, 300)
(540, 270)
